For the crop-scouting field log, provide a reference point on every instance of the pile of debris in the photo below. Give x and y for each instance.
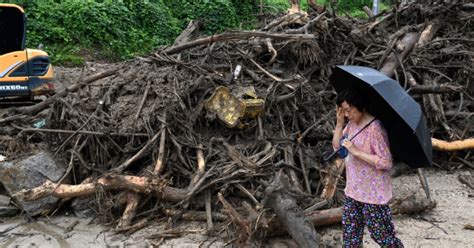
(235, 124)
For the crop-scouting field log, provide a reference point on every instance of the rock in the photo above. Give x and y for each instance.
(5, 209)
(8, 211)
(4, 200)
(84, 207)
(28, 173)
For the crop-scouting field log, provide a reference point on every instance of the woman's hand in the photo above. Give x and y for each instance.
(350, 146)
(336, 138)
(339, 116)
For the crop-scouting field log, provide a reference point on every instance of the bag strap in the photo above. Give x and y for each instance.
(329, 157)
(362, 129)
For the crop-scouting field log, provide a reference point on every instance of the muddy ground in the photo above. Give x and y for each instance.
(441, 227)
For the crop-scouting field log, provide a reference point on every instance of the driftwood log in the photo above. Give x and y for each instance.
(457, 145)
(279, 199)
(156, 187)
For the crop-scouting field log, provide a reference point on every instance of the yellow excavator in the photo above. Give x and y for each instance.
(24, 73)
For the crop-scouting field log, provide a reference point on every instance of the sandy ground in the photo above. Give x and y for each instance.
(442, 227)
(53, 232)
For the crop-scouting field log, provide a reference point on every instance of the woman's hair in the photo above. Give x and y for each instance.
(352, 97)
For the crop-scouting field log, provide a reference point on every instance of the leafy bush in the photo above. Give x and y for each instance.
(113, 30)
(246, 10)
(350, 5)
(215, 15)
(275, 6)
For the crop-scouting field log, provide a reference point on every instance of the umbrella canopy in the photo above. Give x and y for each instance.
(410, 140)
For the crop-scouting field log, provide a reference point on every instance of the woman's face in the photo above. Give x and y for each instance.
(351, 112)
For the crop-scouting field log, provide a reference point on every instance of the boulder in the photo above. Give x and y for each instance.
(30, 172)
(8, 211)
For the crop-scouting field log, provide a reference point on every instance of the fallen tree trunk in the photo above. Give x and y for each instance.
(289, 213)
(130, 209)
(187, 33)
(145, 185)
(331, 177)
(325, 217)
(394, 60)
(449, 146)
(411, 205)
(428, 33)
(233, 36)
(160, 162)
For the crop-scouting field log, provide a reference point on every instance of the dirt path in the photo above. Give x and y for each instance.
(442, 227)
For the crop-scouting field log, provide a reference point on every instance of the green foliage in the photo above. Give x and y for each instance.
(215, 15)
(352, 5)
(276, 6)
(112, 30)
(68, 56)
(246, 10)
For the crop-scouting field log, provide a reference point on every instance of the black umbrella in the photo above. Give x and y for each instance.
(410, 140)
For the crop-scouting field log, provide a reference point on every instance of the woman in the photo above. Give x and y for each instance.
(368, 163)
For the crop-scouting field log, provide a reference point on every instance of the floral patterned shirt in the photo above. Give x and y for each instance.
(369, 183)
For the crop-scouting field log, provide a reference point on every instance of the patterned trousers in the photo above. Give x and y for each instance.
(378, 219)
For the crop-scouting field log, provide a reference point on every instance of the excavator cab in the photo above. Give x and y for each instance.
(24, 73)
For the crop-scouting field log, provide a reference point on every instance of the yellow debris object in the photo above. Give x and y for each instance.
(231, 109)
(253, 107)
